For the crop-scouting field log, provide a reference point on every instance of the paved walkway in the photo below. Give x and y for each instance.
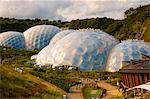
(74, 96)
(75, 92)
(112, 91)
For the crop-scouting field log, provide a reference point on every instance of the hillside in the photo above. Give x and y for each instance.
(16, 80)
(16, 85)
(134, 26)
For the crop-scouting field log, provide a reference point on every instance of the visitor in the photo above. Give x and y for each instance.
(108, 78)
(118, 83)
(103, 93)
(64, 97)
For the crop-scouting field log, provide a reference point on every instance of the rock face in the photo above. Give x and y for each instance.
(39, 36)
(87, 50)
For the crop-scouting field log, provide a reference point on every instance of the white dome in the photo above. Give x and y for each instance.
(125, 51)
(88, 50)
(39, 36)
(60, 35)
(43, 56)
(12, 39)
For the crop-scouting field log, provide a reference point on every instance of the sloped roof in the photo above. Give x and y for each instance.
(141, 66)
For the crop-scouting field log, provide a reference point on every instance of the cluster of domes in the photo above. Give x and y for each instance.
(36, 37)
(86, 49)
(126, 51)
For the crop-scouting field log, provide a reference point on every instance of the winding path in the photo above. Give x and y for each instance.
(112, 91)
(75, 93)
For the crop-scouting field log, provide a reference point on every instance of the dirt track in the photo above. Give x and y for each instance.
(75, 93)
(112, 91)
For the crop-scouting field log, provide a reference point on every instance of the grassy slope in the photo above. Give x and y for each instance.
(146, 35)
(15, 85)
(128, 28)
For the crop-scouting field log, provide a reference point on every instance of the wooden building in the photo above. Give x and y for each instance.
(136, 73)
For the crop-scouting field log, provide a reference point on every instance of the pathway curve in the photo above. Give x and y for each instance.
(75, 92)
(112, 91)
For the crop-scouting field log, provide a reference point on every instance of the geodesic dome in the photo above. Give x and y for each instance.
(12, 39)
(60, 35)
(126, 51)
(88, 50)
(43, 55)
(39, 36)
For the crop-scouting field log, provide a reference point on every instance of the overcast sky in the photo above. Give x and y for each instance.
(67, 9)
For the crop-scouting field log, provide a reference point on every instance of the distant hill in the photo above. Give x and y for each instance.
(135, 25)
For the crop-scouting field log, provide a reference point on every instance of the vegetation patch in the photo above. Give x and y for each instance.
(91, 91)
(14, 84)
(25, 84)
(114, 79)
(58, 78)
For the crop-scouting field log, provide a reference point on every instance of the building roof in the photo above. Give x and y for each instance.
(141, 66)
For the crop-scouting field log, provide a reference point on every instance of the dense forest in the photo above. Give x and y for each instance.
(135, 25)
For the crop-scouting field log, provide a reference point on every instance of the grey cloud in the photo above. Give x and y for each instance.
(31, 9)
(66, 9)
(100, 8)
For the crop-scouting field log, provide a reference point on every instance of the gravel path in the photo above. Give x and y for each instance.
(112, 91)
(75, 92)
